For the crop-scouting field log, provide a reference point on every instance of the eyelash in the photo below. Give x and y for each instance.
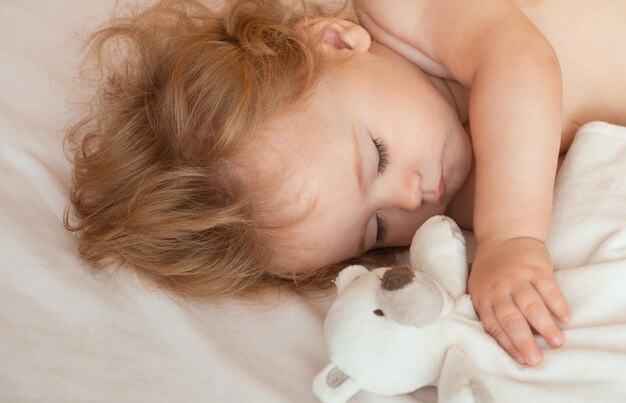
(381, 233)
(383, 161)
(383, 156)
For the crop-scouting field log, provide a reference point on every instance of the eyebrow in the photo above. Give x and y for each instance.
(361, 179)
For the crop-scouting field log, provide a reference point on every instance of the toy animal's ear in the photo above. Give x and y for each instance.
(348, 275)
(332, 385)
(438, 249)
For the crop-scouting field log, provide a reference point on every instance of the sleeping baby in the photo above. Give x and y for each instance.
(261, 146)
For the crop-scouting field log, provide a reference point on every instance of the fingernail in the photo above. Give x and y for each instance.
(557, 340)
(533, 358)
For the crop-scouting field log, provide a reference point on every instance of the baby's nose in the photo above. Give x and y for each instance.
(409, 194)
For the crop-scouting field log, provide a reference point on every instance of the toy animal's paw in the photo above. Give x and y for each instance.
(441, 230)
(458, 382)
(331, 385)
(439, 237)
(438, 249)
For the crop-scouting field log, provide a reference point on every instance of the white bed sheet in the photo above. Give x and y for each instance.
(70, 335)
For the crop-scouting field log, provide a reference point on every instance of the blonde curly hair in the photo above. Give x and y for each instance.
(179, 86)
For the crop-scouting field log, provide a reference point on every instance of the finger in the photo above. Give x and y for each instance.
(554, 299)
(534, 309)
(492, 326)
(517, 329)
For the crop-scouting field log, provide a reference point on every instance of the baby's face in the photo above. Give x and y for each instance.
(370, 156)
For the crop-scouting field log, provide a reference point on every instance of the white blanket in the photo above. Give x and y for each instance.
(71, 335)
(588, 246)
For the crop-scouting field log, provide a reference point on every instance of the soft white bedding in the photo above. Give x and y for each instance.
(70, 335)
(588, 246)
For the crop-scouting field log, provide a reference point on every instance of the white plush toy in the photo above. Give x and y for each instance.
(392, 330)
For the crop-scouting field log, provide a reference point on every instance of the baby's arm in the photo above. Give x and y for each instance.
(515, 115)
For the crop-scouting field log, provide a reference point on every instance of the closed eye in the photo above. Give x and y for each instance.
(383, 155)
(381, 232)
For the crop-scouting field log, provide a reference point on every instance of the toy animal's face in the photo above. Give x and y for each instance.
(372, 347)
(383, 330)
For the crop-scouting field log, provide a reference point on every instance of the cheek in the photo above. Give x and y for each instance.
(460, 163)
(404, 224)
(405, 233)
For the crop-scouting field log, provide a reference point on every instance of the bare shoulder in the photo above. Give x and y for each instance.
(446, 36)
(400, 18)
(395, 24)
(392, 9)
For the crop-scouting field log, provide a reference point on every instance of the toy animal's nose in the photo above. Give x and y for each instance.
(397, 277)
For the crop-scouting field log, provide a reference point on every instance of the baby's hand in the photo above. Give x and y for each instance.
(512, 285)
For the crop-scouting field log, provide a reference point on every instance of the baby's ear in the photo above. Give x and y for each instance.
(333, 35)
